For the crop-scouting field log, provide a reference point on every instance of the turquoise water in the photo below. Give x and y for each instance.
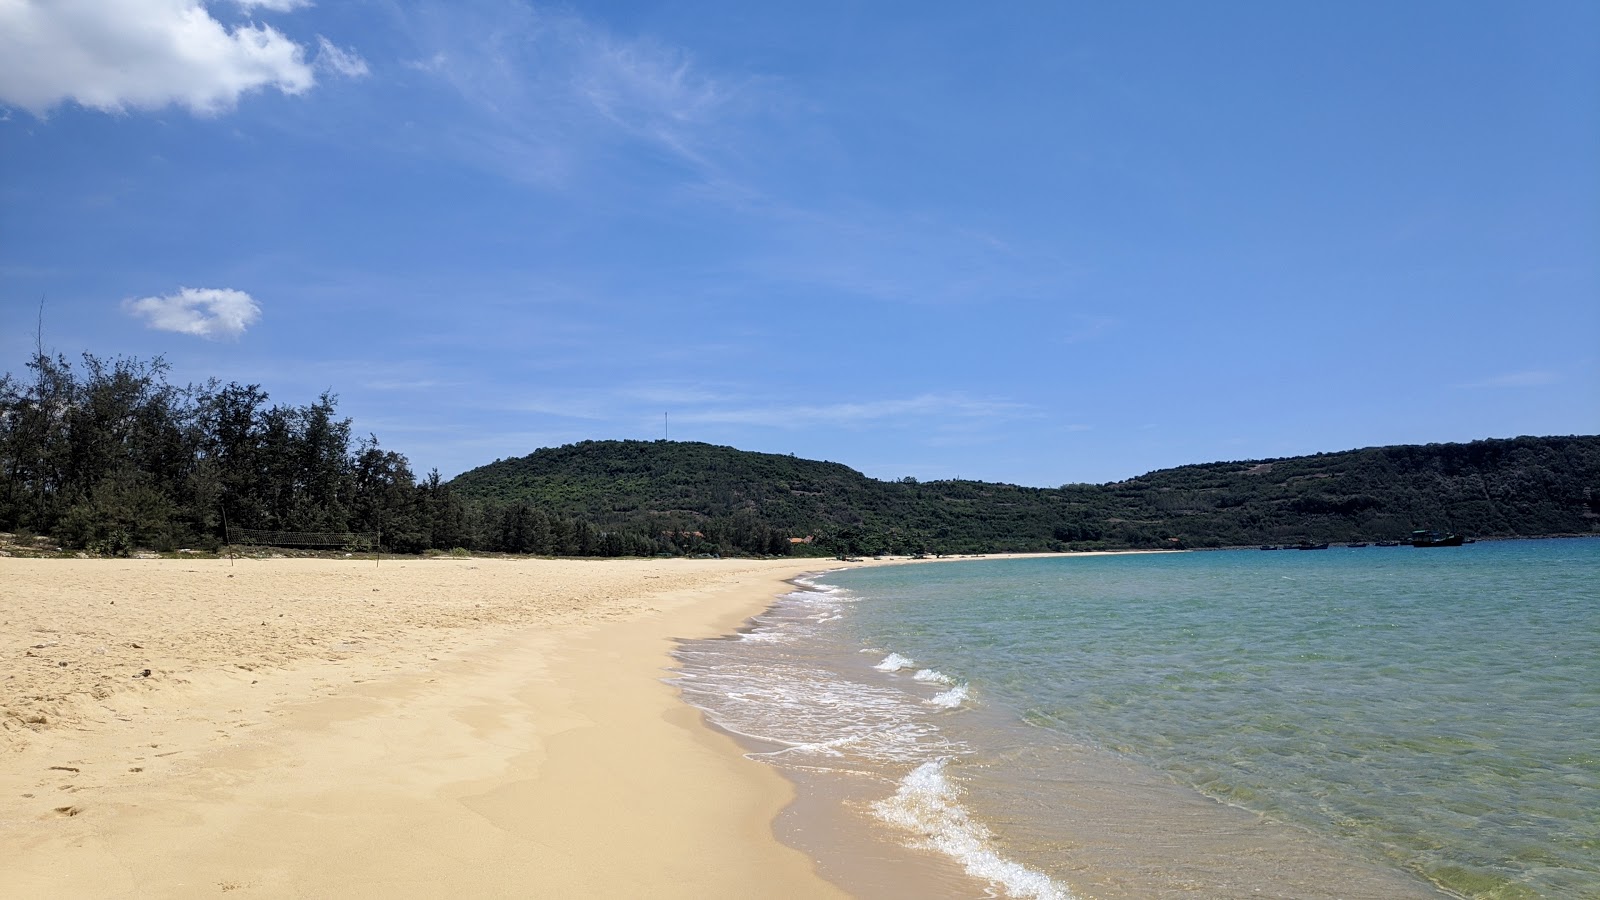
(1352, 722)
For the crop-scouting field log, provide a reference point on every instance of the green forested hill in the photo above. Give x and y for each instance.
(675, 484)
(1492, 488)
(107, 456)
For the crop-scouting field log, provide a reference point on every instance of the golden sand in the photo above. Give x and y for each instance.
(418, 728)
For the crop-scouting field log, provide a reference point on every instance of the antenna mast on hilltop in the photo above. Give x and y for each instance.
(666, 432)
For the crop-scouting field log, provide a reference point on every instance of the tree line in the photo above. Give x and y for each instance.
(108, 456)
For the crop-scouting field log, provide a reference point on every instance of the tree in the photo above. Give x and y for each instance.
(386, 498)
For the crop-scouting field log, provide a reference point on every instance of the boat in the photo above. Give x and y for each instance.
(1268, 547)
(1307, 545)
(1355, 545)
(1387, 544)
(1425, 538)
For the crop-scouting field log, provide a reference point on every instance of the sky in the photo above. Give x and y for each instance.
(1037, 243)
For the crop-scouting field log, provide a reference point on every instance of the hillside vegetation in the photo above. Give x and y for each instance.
(1491, 488)
(107, 456)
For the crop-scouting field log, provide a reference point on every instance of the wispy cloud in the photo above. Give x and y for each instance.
(1086, 328)
(710, 404)
(417, 384)
(339, 60)
(548, 98)
(563, 404)
(141, 54)
(651, 92)
(273, 5)
(1525, 379)
(895, 257)
(924, 406)
(210, 313)
(545, 91)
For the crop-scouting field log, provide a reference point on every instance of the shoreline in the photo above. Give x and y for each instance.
(1110, 799)
(849, 850)
(477, 726)
(468, 727)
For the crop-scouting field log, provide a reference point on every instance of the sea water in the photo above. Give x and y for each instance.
(1372, 722)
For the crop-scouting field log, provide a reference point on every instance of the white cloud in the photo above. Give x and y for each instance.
(141, 54)
(345, 62)
(210, 313)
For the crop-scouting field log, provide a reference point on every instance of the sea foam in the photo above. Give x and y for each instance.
(894, 662)
(949, 699)
(928, 803)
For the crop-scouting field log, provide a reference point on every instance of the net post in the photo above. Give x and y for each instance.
(226, 538)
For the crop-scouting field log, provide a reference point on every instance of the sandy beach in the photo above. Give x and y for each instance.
(417, 728)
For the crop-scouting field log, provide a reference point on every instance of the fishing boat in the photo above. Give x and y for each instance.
(1307, 545)
(1424, 538)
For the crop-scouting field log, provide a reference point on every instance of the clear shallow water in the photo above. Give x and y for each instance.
(1375, 722)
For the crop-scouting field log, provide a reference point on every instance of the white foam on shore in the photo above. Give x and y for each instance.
(823, 604)
(894, 662)
(928, 803)
(808, 713)
(819, 716)
(764, 637)
(949, 699)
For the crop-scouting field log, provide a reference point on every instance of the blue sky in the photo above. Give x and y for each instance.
(1038, 243)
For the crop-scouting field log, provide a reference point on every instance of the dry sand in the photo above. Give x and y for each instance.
(420, 728)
